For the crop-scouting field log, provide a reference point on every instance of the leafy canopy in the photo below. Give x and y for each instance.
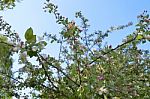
(85, 67)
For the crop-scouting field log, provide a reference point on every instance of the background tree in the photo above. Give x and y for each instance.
(9, 4)
(6, 51)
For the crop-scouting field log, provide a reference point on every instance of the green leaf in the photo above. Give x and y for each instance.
(147, 33)
(29, 36)
(105, 97)
(3, 38)
(32, 53)
(139, 37)
(6, 1)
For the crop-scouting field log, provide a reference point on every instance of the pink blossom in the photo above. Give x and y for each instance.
(100, 77)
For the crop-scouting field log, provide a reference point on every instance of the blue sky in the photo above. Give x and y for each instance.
(101, 14)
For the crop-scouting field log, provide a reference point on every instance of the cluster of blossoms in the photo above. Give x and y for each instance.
(21, 45)
(24, 49)
(17, 47)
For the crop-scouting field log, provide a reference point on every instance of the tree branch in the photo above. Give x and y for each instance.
(59, 70)
(46, 74)
(104, 53)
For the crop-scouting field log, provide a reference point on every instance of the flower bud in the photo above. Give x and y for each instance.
(17, 35)
(24, 53)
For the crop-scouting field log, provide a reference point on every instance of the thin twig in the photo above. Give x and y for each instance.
(59, 57)
(104, 53)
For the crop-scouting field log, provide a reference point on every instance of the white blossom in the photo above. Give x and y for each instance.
(102, 90)
(34, 48)
(18, 45)
(147, 84)
(42, 46)
(17, 35)
(147, 37)
(15, 49)
(94, 50)
(23, 46)
(115, 98)
(11, 43)
(140, 32)
(24, 53)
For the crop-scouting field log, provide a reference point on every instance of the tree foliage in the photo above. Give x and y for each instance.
(6, 51)
(85, 67)
(9, 4)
